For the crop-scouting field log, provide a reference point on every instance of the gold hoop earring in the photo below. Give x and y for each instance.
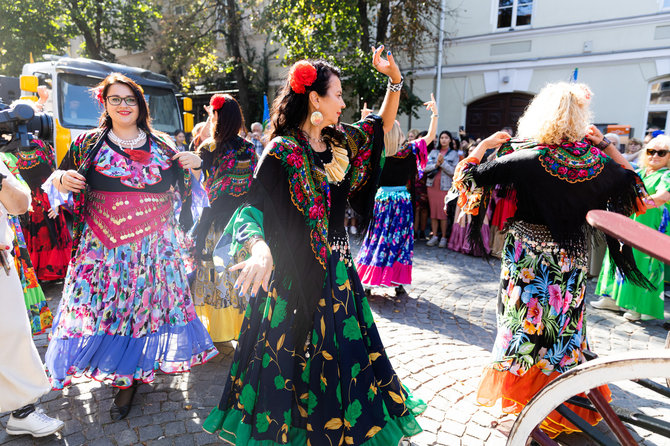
(316, 119)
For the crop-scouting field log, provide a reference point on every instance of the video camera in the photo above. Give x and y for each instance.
(24, 125)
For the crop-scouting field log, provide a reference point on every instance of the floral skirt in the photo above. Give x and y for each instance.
(126, 312)
(541, 326)
(385, 258)
(218, 304)
(39, 313)
(339, 389)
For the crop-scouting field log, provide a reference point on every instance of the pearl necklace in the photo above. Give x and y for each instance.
(129, 143)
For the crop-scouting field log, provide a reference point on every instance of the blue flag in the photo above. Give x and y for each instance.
(266, 111)
(574, 75)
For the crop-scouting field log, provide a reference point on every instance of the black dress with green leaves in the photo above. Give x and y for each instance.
(310, 367)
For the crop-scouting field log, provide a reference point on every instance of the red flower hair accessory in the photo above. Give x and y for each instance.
(217, 101)
(301, 75)
(98, 94)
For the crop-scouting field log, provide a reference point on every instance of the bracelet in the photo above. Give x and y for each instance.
(197, 168)
(60, 179)
(2, 178)
(602, 145)
(434, 116)
(251, 241)
(395, 87)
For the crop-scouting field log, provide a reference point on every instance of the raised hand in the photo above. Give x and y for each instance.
(365, 110)
(388, 66)
(431, 105)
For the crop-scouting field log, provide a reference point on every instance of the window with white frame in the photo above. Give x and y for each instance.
(515, 13)
(659, 105)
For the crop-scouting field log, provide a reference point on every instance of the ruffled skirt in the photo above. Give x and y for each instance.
(340, 388)
(126, 312)
(385, 258)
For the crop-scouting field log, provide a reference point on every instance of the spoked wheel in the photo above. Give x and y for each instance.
(584, 378)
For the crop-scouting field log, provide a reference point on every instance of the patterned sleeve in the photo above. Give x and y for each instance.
(360, 138)
(464, 188)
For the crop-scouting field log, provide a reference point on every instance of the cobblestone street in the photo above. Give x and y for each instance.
(438, 339)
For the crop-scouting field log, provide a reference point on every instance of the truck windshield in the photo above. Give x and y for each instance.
(79, 109)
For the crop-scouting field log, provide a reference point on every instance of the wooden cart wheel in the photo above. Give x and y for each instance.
(583, 378)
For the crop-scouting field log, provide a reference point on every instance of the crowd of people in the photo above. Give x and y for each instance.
(244, 236)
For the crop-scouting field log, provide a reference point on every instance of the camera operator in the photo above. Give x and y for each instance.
(22, 376)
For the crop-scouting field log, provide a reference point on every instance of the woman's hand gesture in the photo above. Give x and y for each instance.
(388, 66)
(496, 140)
(71, 181)
(431, 105)
(188, 160)
(594, 135)
(365, 111)
(256, 270)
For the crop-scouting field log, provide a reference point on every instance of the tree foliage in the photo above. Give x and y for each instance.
(45, 26)
(30, 27)
(343, 31)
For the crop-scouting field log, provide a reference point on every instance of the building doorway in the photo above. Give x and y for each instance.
(490, 114)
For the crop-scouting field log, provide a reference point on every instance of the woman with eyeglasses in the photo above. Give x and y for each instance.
(641, 303)
(126, 309)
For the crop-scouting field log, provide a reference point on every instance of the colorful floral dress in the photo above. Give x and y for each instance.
(311, 371)
(126, 309)
(385, 257)
(610, 281)
(39, 313)
(541, 323)
(48, 239)
(228, 172)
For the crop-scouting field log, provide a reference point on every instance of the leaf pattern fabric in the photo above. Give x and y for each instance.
(338, 389)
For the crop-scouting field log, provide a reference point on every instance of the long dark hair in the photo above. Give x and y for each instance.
(101, 90)
(226, 129)
(452, 143)
(289, 109)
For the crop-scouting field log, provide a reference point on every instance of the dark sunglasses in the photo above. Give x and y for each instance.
(660, 153)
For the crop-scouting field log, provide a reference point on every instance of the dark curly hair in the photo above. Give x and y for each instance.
(289, 109)
(144, 118)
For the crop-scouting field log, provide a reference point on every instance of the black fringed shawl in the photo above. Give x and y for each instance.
(555, 186)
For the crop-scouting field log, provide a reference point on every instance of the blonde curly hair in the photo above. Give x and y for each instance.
(559, 112)
(661, 142)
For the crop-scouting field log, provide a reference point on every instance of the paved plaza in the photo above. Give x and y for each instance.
(438, 339)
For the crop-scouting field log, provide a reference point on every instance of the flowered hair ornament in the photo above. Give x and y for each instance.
(301, 75)
(217, 101)
(97, 91)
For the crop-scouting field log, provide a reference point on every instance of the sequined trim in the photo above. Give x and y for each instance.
(340, 243)
(120, 218)
(538, 239)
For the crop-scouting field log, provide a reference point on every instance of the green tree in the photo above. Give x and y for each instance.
(186, 48)
(342, 32)
(30, 27)
(110, 24)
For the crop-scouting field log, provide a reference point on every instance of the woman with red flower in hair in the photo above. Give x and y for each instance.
(310, 367)
(228, 166)
(126, 309)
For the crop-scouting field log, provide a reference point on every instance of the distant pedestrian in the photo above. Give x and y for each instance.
(442, 161)
(385, 257)
(257, 138)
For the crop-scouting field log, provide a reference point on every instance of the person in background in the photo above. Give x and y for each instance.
(615, 140)
(633, 151)
(420, 192)
(617, 294)
(385, 257)
(22, 377)
(228, 166)
(442, 161)
(257, 138)
(180, 140)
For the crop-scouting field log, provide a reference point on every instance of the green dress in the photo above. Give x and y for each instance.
(626, 294)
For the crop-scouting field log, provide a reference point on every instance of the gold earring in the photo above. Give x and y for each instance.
(316, 119)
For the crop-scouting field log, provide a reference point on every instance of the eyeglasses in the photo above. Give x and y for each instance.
(660, 153)
(116, 100)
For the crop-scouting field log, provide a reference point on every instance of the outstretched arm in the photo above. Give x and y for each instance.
(389, 108)
(432, 128)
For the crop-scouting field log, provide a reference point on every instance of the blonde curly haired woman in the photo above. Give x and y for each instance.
(560, 168)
